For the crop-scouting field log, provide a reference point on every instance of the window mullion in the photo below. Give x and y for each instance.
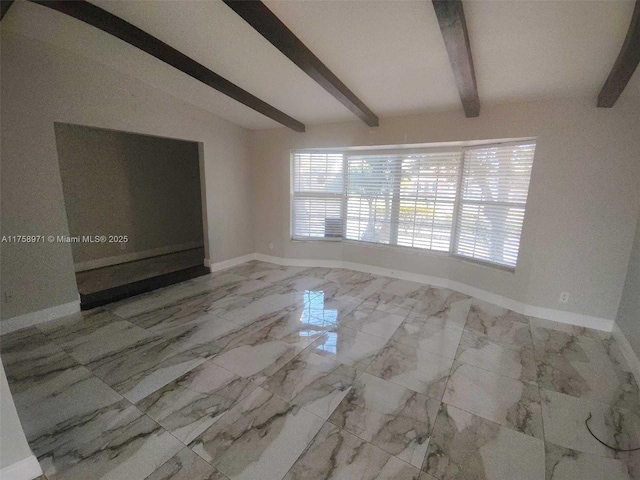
(345, 197)
(395, 202)
(453, 240)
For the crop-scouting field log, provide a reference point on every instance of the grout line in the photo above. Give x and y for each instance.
(168, 460)
(535, 360)
(493, 421)
(305, 448)
(533, 382)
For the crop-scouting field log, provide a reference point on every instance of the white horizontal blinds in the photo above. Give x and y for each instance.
(427, 200)
(318, 185)
(402, 199)
(370, 190)
(493, 196)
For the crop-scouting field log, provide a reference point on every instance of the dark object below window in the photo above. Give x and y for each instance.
(333, 228)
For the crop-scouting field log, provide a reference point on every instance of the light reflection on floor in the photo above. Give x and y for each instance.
(314, 313)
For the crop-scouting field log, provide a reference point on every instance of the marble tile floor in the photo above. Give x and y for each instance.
(267, 372)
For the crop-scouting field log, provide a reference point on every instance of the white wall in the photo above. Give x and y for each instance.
(16, 459)
(629, 312)
(578, 231)
(583, 203)
(41, 85)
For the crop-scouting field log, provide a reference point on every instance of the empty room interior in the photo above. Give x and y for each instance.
(320, 239)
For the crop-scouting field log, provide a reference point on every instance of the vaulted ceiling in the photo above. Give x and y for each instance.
(390, 54)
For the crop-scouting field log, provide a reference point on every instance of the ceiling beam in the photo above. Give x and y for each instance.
(131, 34)
(5, 5)
(626, 63)
(258, 15)
(456, 39)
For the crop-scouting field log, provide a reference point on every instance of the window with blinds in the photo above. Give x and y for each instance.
(493, 197)
(318, 190)
(402, 199)
(371, 182)
(467, 201)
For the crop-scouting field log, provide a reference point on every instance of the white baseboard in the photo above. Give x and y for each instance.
(29, 319)
(130, 257)
(25, 469)
(561, 316)
(627, 351)
(232, 262)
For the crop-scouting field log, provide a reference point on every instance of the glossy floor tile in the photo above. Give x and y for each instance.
(565, 416)
(119, 443)
(263, 371)
(392, 417)
(186, 465)
(418, 370)
(581, 366)
(509, 360)
(438, 302)
(337, 454)
(372, 322)
(260, 427)
(348, 346)
(313, 382)
(29, 359)
(566, 464)
(91, 337)
(500, 399)
(464, 446)
(192, 403)
(499, 324)
(418, 332)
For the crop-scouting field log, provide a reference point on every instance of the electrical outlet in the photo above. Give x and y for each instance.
(270, 245)
(564, 297)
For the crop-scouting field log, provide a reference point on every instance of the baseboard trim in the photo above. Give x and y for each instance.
(571, 318)
(627, 351)
(561, 316)
(34, 318)
(133, 256)
(232, 262)
(25, 469)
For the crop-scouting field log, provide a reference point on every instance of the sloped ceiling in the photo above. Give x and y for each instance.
(389, 53)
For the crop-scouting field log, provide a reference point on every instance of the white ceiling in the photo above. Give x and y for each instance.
(389, 53)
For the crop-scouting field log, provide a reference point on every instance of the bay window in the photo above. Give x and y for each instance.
(467, 201)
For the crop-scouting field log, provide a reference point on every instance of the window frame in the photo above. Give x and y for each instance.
(407, 150)
(292, 196)
(460, 201)
(396, 223)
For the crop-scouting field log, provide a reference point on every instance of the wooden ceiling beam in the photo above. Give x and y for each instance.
(258, 15)
(626, 63)
(131, 34)
(5, 5)
(456, 39)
